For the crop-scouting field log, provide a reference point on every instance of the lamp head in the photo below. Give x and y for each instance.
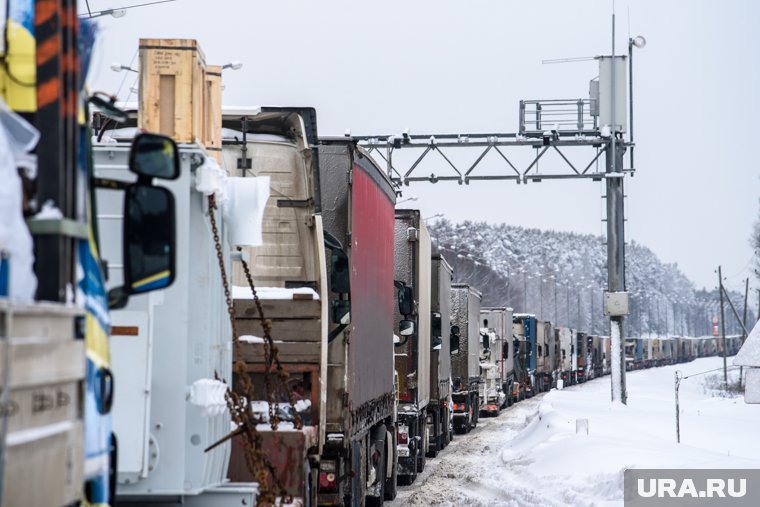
(639, 41)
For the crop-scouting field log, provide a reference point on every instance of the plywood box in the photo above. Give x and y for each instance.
(172, 89)
(213, 112)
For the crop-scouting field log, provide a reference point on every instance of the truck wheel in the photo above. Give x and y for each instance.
(446, 433)
(420, 461)
(377, 501)
(433, 450)
(406, 480)
(390, 452)
(308, 486)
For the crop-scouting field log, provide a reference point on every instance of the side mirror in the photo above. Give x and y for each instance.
(148, 238)
(406, 328)
(340, 275)
(454, 339)
(435, 325)
(486, 342)
(341, 311)
(505, 352)
(405, 300)
(154, 156)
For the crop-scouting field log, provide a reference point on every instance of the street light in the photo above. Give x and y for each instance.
(117, 67)
(408, 199)
(116, 13)
(233, 65)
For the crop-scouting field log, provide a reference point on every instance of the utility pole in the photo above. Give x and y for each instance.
(744, 320)
(722, 326)
(541, 296)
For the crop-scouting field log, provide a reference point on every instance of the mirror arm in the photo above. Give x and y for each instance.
(335, 332)
(401, 344)
(110, 183)
(117, 298)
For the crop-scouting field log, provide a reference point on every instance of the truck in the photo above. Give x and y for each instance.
(324, 278)
(581, 373)
(412, 316)
(497, 351)
(465, 360)
(172, 351)
(546, 360)
(568, 358)
(524, 331)
(55, 371)
(439, 414)
(360, 453)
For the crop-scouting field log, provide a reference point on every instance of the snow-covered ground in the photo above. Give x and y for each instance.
(531, 454)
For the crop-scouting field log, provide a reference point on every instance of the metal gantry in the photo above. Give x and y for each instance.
(544, 127)
(383, 147)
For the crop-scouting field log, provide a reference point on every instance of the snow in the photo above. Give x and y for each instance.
(532, 454)
(749, 354)
(49, 211)
(247, 338)
(242, 201)
(208, 394)
(267, 293)
(17, 138)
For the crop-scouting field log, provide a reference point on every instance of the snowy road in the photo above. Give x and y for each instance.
(456, 476)
(531, 454)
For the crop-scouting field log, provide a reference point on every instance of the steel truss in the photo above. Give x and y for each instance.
(383, 148)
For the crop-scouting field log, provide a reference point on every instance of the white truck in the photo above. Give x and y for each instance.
(496, 359)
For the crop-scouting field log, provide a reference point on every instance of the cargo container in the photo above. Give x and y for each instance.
(360, 448)
(465, 360)
(524, 330)
(548, 348)
(412, 279)
(439, 415)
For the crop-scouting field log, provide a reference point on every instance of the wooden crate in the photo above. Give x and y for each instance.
(213, 112)
(172, 89)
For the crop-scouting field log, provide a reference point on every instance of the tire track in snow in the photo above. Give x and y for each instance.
(470, 470)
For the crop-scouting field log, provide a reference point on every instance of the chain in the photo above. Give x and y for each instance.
(240, 407)
(272, 353)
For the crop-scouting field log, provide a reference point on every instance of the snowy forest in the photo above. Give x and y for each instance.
(561, 276)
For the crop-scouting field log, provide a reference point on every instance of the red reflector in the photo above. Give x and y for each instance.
(327, 481)
(458, 407)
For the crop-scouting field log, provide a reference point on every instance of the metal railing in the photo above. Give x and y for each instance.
(565, 116)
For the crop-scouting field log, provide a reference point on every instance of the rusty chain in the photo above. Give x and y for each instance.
(240, 407)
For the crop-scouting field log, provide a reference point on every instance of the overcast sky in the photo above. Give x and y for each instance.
(453, 67)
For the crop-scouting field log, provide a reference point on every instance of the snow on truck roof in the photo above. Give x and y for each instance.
(269, 293)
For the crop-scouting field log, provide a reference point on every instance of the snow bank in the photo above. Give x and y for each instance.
(531, 454)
